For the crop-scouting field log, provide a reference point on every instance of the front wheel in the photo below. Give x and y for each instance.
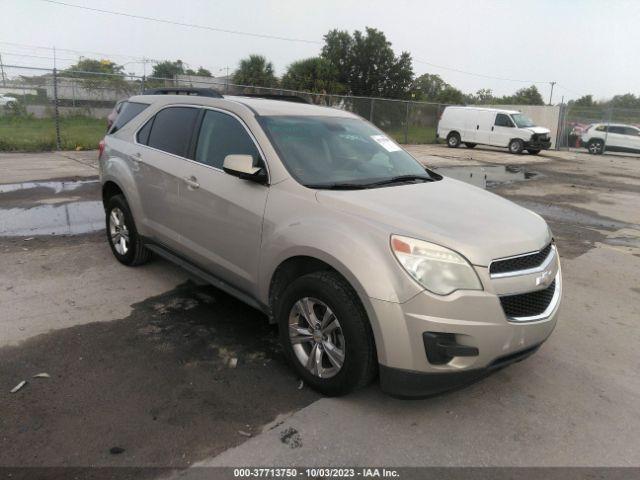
(325, 334)
(122, 235)
(595, 147)
(516, 146)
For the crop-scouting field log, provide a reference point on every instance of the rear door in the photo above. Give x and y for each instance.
(221, 215)
(502, 130)
(633, 138)
(163, 145)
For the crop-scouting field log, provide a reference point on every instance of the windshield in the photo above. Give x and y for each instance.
(522, 121)
(332, 152)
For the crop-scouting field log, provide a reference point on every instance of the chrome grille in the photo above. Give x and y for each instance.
(521, 262)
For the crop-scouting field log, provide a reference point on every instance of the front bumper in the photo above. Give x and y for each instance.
(538, 144)
(471, 318)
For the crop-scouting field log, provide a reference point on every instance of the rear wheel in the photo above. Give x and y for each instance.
(595, 147)
(453, 140)
(325, 334)
(516, 146)
(122, 235)
(470, 145)
(533, 152)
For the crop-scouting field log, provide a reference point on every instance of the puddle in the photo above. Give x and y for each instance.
(486, 177)
(55, 187)
(67, 219)
(62, 207)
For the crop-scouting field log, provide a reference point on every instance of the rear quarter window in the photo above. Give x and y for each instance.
(127, 112)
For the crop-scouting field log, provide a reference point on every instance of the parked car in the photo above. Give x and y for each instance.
(489, 126)
(7, 100)
(368, 261)
(612, 137)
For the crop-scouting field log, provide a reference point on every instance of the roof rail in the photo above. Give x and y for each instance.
(200, 92)
(274, 96)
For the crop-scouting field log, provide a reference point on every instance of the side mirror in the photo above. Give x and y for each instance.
(241, 166)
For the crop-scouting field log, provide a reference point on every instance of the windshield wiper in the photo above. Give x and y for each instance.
(337, 186)
(399, 179)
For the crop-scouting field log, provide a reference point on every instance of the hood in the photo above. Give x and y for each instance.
(478, 224)
(539, 130)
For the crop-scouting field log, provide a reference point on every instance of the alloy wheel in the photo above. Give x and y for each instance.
(316, 337)
(118, 231)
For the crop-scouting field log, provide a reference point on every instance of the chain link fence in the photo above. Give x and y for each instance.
(47, 109)
(44, 109)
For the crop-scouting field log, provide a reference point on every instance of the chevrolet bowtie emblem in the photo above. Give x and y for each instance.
(545, 278)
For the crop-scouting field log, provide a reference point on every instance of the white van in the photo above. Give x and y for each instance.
(491, 126)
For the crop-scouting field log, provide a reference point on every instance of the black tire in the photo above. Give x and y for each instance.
(136, 253)
(360, 360)
(533, 152)
(453, 140)
(470, 145)
(516, 146)
(595, 147)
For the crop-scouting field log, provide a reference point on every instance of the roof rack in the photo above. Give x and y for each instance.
(200, 92)
(273, 96)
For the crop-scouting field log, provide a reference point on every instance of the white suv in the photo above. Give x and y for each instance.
(6, 100)
(615, 137)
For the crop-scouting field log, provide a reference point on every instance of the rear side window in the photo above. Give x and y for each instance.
(631, 131)
(143, 133)
(172, 129)
(127, 112)
(503, 120)
(222, 135)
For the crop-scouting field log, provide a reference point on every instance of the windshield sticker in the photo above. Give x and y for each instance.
(386, 143)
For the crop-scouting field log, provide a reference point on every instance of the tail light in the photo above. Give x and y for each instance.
(100, 148)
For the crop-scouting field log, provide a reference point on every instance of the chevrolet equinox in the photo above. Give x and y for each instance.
(370, 263)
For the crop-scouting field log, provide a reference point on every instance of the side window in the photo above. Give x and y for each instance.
(172, 129)
(620, 130)
(143, 133)
(601, 128)
(221, 135)
(127, 111)
(631, 131)
(503, 120)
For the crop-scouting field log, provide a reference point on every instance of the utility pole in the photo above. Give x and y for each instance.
(551, 95)
(4, 79)
(55, 101)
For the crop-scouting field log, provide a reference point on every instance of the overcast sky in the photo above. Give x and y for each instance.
(587, 46)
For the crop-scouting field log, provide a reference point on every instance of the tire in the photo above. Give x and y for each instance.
(516, 146)
(533, 152)
(122, 235)
(453, 140)
(470, 145)
(595, 147)
(347, 334)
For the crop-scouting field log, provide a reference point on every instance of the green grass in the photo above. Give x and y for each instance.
(415, 134)
(27, 134)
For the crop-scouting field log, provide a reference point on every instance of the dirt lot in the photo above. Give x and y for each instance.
(140, 359)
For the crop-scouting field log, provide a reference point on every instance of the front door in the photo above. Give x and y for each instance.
(221, 219)
(502, 130)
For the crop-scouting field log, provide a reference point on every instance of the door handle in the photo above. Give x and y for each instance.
(492, 129)
(192, 182)
(477, 127)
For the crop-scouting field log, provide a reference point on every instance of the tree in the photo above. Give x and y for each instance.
(524, 96)
(430, 87)
(628, 100)
(367, 65)
(87, 68)
(201, 72)
(584, 101)
(255, 71)
(168, 69)
(314, 74)
(484, 96)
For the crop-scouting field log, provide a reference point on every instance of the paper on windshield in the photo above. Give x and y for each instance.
(386, 143)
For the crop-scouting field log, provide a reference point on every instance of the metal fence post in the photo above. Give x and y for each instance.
(406, 125)
(371, 110)
(142, 83)
(55, 108)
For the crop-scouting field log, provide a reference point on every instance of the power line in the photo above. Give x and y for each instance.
(79, 52)
(182, 24)
(479, 74)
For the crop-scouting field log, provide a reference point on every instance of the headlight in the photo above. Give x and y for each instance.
(438, 269)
